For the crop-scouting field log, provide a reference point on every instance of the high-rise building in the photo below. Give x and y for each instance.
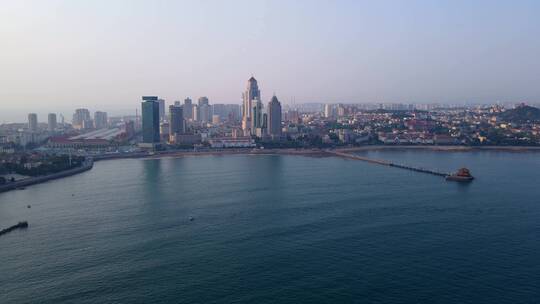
(150, 119)
(100, 120)
(215, 119)
(204, 109)
(328, 111)
(341, 110)
(51, 122)
(229, 112)
(32, 122)
(195, 112)
(220, 110)
(274, 117)
(256, 115)
(81, 119)
(176, 123)
(264, 123)
(188, 109)
(203, 100)
(251, 95)
(161, 103)
(164, 128)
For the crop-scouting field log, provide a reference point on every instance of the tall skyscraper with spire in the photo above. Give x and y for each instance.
(250, 97)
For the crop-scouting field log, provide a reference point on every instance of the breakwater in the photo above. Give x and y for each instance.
(19, 225)
(87, 165)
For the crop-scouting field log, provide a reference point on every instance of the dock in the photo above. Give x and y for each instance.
(387, 163)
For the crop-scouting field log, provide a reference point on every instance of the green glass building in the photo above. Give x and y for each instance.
(150, 119)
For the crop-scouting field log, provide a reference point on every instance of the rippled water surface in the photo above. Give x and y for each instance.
(285, 229)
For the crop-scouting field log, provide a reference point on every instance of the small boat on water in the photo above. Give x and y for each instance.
(462, 175)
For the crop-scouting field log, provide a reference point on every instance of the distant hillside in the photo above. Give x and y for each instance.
(521, 114)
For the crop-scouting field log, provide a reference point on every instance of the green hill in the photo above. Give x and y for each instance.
(521, 114)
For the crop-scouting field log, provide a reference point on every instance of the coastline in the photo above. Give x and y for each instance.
(318, 152)
(45, 178)
(300, 152)
(310, 152)
(443, 148)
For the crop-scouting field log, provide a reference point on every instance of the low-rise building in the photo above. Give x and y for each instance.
(229, 142)
(185, 139)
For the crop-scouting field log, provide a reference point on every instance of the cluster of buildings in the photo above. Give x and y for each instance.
(84, 132)
(82, 120)
(187, 124)
(255, 120)
(399, 124)
(21, 160)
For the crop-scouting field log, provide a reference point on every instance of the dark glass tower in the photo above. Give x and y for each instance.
(256, 116)
(274, 117)
(150, 119)
(176, 123)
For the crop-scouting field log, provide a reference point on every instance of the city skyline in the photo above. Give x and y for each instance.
(269, 151)
(350, 52)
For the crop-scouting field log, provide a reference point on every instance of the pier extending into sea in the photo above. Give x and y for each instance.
(387, 163)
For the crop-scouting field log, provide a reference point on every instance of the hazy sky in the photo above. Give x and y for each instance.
(103, 55)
